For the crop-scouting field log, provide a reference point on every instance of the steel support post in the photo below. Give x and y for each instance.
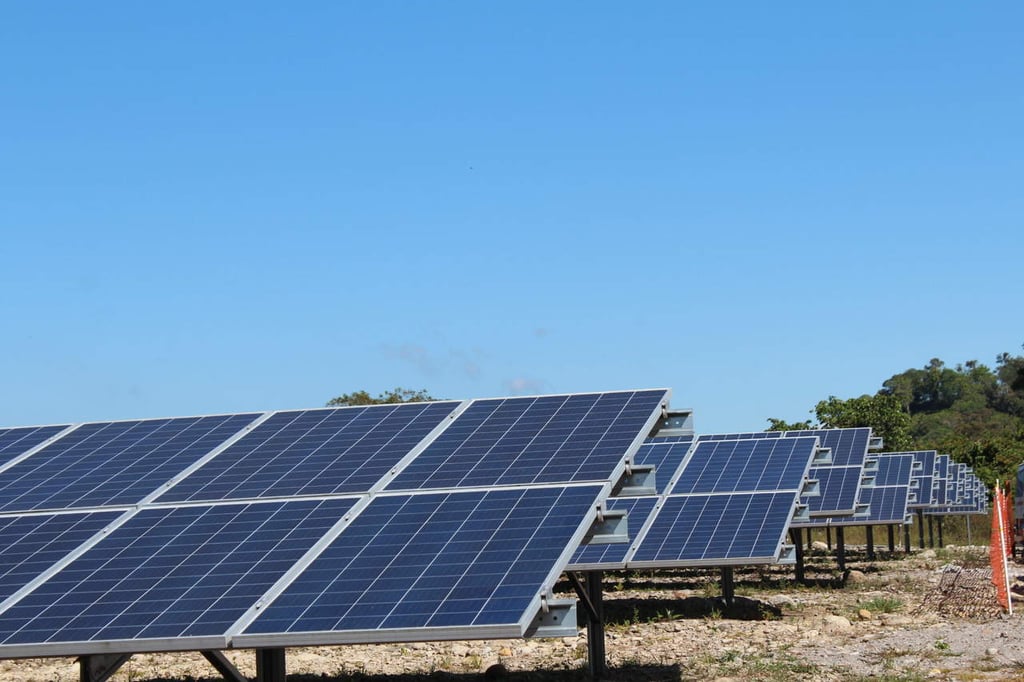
(840, 548)
(795, 533)
(920, 528)
(225, 667)
(270, 665)
(595, 625)
(938, 522)
(892, 539)
(100, 667)
(931, 533)
(828, 537)
(869, 532)
(728, 585)
(906, 537)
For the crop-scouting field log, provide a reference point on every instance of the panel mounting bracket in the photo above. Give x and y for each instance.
(876, 443)
(676, 422)
(555, 618)
(821, 456)
(610, 527)
(787, 554)
(801, 513)
(638, 480)
(862, 510)
(812, 488)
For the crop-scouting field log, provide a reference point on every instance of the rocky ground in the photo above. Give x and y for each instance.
(884, 620)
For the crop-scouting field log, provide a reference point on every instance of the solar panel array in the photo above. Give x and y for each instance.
(194, 533)
(893, 487)
(729, 502)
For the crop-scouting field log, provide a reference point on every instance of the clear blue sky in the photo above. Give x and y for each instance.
(218, 207)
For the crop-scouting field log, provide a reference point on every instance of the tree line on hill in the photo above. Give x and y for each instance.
(970, 411)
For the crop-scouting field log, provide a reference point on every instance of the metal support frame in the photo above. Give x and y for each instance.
(728, 586)
(270, 665)
(938, 522)
(225, 667)
(795, 534)
(892, 539)
(920, 528)
(595, 625)
(100, 667)
(840, 548)
(869, 532)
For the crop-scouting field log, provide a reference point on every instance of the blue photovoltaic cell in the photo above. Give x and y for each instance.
(888, 505)
(638, 509)
(171, 572)
(894, 469)
(741, 436)
(849, 446)
(925, 477)
(313, 452)
(939, 491)
(717, 528)
(664, 457)
(756, 465)
(29, 545)
(838, 488)
(434, 560)
(112, 463)
(550, 439)
(685, 438)
(18, 441)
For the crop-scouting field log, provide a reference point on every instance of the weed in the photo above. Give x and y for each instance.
(883, 605)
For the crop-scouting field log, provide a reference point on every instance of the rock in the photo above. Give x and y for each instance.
(819, 546)
(504, 652)
(855, 577)
(864, 614)
(991, 651)
(895, 620)
(927, 554)
(834, 624)
(781, 600)
(460, 650)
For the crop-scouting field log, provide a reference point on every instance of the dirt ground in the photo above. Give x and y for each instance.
(882, 620)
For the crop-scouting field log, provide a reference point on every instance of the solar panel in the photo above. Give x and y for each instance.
(168, 573)
(314, 452)
(887, 498)
(439, 561)
(17, 441)
(839, 481)
(925, 476)
(112, 463)
(664, 457)
(839, 491)
(731, 502)
(29, 545)
(762, 465)
(715, 530)
(547, 439)
(186, 565)
(613, 555)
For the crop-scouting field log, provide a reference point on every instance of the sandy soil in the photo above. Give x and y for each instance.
(884, 620)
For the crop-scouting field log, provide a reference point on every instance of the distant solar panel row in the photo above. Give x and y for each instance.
(889, 494)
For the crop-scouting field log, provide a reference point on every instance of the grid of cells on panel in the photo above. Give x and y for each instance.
(849, 446)
(548, 439)
(717, 527)
(925, 476)
(112, 463)
(753, 465)
(894, 469)
(29, 545)
(888, 504)
(664, 457)
(638, 509)
(171, 572)
(839, 487)
(433, 560)
(314, 452)
(18, 441)
(745, 435)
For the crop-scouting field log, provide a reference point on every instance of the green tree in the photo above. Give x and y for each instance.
(395, 395)
(783, 425)
(882, 412)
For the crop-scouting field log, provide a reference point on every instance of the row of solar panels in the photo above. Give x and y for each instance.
(394, 523)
